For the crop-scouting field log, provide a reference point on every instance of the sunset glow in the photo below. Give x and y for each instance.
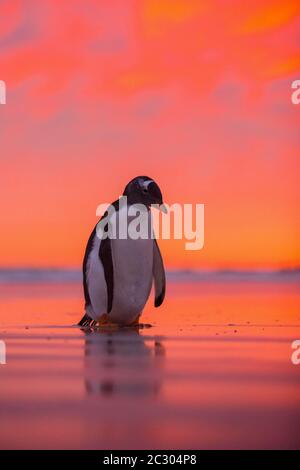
(190, 93)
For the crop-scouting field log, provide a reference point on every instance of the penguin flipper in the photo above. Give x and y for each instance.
(105, 255)
(88, 250)
(158, 275)
(94, 284)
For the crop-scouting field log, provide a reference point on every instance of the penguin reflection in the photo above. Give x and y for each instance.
(122, 362)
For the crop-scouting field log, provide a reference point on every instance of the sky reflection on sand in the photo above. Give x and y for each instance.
(213, 372)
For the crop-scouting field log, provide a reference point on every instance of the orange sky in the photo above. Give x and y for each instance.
(195, 94)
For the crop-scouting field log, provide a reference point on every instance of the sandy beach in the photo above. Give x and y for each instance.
(213, 371)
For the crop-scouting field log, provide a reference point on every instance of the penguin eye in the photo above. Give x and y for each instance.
(145, 190)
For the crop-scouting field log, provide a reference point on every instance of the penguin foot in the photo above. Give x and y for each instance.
(84, 321)
(104, 322)
(87, 322)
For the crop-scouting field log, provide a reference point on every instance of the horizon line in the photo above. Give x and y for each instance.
(18, 275)
(204, 269)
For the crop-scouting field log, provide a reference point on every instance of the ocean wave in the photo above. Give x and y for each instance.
(65, 275)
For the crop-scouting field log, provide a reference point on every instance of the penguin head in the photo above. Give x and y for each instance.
(144, 190)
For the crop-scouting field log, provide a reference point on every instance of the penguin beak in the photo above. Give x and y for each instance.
(163, 208)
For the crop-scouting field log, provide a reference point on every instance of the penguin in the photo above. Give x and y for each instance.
(118, 272)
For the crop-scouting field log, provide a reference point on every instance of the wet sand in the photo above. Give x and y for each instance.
(214, 370)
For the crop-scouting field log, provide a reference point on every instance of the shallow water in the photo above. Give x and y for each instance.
(214, 371)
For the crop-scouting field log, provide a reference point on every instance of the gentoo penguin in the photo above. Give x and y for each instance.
(118, 271)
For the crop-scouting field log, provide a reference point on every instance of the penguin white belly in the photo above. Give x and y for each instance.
(133, 264)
